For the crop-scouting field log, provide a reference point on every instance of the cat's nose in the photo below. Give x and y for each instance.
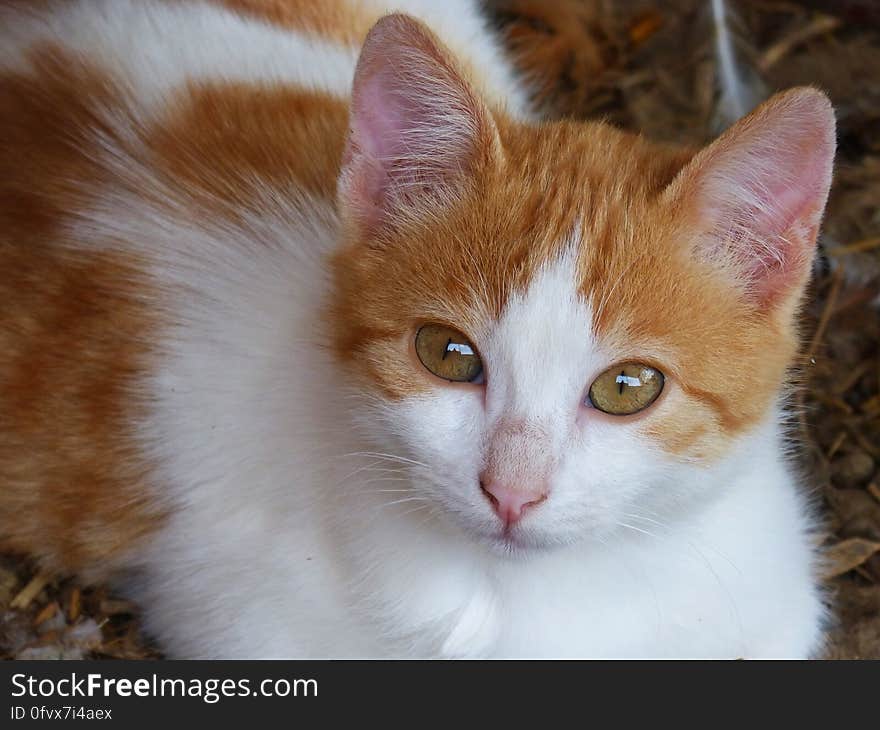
(511, 503)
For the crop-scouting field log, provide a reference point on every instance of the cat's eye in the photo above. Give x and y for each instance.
(448, 354)
(626, 388)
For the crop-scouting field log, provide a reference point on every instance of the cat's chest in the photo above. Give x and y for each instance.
(624, 603)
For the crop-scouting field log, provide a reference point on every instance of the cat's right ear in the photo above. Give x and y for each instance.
(755, 197)
(418, 131)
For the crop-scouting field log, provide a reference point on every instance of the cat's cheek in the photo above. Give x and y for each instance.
(611, 466)
(443, 429)
(688, 429)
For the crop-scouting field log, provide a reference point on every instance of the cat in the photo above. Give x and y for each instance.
(318, 343)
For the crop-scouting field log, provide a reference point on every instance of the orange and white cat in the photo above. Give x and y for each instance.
(314, 339)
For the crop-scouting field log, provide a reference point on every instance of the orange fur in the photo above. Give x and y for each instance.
(339, 20)
(223, 141)
(73, 338)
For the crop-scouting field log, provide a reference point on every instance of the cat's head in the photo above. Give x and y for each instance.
(552, 321)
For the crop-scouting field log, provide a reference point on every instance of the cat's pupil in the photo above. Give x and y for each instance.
(446, 349)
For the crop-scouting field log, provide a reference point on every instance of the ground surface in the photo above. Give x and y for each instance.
(648, 66)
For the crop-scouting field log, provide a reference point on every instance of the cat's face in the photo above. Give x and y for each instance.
(552, 322)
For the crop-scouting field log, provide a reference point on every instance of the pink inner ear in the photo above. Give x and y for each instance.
(415, 124)
(377, 131)
(405, 140)
(771, 220)
(762, 187)
(383, 114)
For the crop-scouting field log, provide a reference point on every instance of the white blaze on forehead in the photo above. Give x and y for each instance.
(541, 352)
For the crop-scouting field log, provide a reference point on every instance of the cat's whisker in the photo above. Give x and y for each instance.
(374, 463)
(388, 491)
(379, 479)
(634, 516)
(356, 488)
(377, 466)
(371, 471)
(414, 510)
(389, 457)
(374, 469)
(638, 529)
(432, 515)
(404, 499)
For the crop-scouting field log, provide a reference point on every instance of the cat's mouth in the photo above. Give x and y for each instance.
(518, 541)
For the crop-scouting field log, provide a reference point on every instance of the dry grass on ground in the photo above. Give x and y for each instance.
(648, 65)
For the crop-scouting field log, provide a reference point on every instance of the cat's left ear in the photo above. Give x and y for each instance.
(417, 130)
(757, 194)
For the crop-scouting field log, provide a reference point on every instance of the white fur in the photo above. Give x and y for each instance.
(151, 46)
(288, 537)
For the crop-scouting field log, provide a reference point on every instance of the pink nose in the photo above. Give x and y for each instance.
(510, 504)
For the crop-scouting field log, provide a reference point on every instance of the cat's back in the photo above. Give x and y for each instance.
(152, 47)
(199, 109)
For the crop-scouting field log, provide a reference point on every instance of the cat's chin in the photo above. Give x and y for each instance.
(518, 543)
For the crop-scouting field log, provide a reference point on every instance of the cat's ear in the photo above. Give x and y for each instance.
(757, 194)
(417, 129)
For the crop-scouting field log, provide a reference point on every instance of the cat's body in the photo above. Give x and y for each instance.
(207, 381)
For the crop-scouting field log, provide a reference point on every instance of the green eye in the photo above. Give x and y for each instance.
(448, 354)
(627, 388)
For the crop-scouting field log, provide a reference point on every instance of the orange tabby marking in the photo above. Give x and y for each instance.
(74, 337)
(339, 20)
(222, 139)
